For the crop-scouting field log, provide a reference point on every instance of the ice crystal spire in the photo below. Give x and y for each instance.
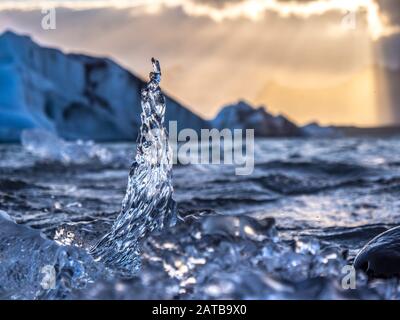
(148, 205)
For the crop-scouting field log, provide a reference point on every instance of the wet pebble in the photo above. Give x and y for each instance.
(381, 256)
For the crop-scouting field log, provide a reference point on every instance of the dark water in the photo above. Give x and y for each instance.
(326, 197)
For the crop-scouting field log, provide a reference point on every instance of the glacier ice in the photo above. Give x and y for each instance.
(239, 226)
(242, 115)
(48, 146)
(34, 267)
(148, 204)
(74, 95)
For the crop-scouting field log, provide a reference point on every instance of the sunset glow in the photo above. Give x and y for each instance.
(330, 61)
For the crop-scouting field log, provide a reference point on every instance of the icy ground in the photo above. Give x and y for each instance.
(286, 231)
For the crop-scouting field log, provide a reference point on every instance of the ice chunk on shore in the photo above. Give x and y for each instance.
(48, 146)
(239, 226)
(34, 267)
(77, 96)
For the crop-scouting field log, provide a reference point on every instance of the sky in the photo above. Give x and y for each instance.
(331, 61)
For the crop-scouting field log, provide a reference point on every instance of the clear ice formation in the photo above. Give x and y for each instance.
(148, 204)
(35, 267)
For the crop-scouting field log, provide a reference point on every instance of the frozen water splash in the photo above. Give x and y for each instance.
(148, 205)
(47, 146)
(34, 267)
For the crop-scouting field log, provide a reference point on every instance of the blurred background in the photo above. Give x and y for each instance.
(332, 61)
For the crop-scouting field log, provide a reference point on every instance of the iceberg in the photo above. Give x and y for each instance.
(243, 116)
(315, 130)
(72, 95)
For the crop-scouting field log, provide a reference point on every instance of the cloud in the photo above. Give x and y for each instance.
(208, 62)
(221, 10)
